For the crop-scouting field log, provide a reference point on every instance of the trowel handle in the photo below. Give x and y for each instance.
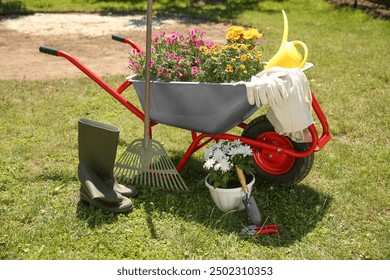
(241, 177)
(305, 55)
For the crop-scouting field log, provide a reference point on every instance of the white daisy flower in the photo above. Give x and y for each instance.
(209, 163)
(235, 150)
(224, 166)
(208, 152)
(247, 150)
(236, 142)
(219, 155)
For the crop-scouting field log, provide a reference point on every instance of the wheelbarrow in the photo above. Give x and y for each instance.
(209, 112)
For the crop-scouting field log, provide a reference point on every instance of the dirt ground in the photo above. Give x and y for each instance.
(377, 9)
(87, 37)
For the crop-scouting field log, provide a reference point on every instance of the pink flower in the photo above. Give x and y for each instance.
(160, 71)
(209, 45)
(193, 33)
(174, 36)
(170, 55)
(194, 70)
(200, 43)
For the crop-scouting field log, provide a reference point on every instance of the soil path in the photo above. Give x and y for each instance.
(86, 37)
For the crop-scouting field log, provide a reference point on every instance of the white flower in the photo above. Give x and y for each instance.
(247, 150)
(209, 163)
(219, 155)
(235, 151)
(224, 165)
(236, 142)
(208, 152)
(218, 145)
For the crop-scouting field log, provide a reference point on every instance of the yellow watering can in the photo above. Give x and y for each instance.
(288, 55)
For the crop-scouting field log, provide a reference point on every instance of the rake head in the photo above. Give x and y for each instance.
(145, 162)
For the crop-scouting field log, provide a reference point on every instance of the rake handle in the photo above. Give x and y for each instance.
(147, 74)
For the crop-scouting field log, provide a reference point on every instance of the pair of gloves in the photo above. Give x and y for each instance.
(287, 92)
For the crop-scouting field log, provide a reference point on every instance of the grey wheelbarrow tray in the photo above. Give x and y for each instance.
(202, 107)
(207, 110)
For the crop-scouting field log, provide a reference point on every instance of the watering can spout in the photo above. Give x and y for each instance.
(285, 30)
(288, 55)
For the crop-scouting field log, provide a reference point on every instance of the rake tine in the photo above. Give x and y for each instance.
(148, 166)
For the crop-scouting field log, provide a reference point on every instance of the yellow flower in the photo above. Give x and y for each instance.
(235, 28)
(244, 57)
(244, 47)
(234, 33)
(229, 68)
(242, 66)
(251, 33)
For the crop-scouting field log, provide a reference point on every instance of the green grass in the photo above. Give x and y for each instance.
(209, 8)
(340, 211)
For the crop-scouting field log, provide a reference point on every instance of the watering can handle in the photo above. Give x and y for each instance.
(303, 45)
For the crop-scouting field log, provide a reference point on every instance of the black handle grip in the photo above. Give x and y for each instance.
(118, 38)
(48, 50)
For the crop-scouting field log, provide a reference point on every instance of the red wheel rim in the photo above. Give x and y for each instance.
(273, 162)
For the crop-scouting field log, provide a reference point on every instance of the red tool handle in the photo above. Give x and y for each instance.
(268, 229)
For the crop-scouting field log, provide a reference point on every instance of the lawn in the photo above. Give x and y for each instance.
(340, 211)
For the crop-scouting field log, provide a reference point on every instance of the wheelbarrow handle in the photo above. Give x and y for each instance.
(48, 50)
(118, 38)
(126, 41)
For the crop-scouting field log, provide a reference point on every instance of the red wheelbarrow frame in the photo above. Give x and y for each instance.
(317, 142)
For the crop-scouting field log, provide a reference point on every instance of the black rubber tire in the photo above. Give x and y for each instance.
(301, 166)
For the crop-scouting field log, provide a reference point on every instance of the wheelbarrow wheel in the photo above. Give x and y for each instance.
(274, 167)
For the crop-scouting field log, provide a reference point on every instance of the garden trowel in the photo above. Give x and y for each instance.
(249, 201)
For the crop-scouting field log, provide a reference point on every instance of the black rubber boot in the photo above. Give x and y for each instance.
(97, 151)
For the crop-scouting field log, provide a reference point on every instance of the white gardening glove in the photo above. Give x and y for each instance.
(293, 113)
(276, 84)
(258, 93)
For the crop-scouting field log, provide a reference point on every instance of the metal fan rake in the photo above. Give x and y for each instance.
(145, 161)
